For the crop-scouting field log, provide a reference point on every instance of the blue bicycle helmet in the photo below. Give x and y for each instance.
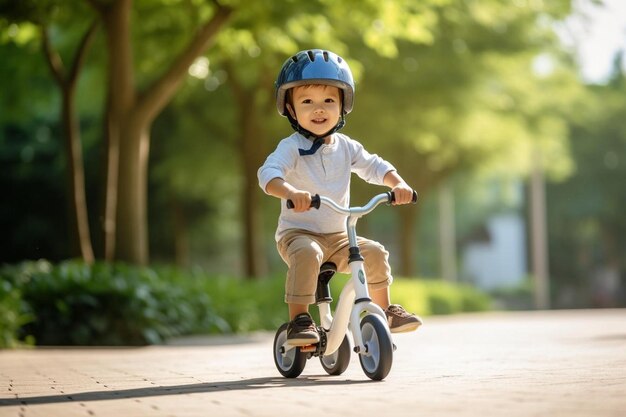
(315, 66)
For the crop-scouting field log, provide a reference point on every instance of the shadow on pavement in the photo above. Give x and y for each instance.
(244, 384)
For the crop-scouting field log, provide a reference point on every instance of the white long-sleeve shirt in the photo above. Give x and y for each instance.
(327, 173)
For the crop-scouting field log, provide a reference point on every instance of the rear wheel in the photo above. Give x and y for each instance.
(290, 363)
(338, 362)
(377, 359)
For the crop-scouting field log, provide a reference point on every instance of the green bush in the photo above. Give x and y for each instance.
(243, 305)
(445, 298)
(429, 297)
(14, 315)
(248, 305)
(76, 304)
(115, 304)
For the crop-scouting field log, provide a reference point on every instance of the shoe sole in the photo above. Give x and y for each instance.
(302, 341)
(409, 327)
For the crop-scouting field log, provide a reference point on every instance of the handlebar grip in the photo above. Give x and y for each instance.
(392, 197)
(315, 202)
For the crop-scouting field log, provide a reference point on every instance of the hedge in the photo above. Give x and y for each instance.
(72, 303)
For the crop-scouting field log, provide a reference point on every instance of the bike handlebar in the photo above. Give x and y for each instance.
(315, 202)
(390, 196)
(392, 199)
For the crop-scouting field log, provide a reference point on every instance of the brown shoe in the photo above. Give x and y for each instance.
(301, 331)
(400, 320)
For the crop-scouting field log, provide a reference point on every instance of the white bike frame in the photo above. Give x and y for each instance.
(354, 299)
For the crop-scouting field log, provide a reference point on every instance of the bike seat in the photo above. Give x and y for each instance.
(327, 270)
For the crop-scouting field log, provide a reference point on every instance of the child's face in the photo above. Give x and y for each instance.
(317, 108)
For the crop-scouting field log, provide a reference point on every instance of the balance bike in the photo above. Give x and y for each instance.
(355, 314)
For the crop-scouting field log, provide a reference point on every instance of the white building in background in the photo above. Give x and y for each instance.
(499, 258)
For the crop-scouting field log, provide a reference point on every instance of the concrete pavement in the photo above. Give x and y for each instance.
(556, 363)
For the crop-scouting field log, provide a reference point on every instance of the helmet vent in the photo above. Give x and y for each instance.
(325, 56)
(311, 55)
(294, 58)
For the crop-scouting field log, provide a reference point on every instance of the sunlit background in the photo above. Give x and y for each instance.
(139, 145)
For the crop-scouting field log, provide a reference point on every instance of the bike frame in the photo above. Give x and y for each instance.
(354, 299)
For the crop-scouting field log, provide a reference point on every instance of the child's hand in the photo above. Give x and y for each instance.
(301, 200)
(403, 193)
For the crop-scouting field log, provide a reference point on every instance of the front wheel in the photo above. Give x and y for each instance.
(377, 359)
(338, 362)
(289, 363)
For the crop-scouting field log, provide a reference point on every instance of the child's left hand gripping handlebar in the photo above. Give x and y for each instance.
(315, 202)
(392, 197)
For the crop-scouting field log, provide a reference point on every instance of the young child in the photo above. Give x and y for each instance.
(315, 91)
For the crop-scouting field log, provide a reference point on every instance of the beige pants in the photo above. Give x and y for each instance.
(304, 252)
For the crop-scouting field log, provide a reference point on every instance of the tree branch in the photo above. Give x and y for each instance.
(81, 52)
(159, 94)
(53, 59)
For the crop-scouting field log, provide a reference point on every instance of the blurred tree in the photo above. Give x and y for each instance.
(586, 212)
(468, 101)
(132, 107)
(194, 170)
(41, 14)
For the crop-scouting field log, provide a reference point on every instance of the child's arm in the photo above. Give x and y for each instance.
(282, 189)
(402, 191)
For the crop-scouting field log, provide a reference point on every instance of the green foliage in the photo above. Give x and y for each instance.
(14, 315)
(586, 221)
(468, 101)
(71, 303)
(433, 297)
(76, 304)
(430, 297)
(32, 184)
(248, 305)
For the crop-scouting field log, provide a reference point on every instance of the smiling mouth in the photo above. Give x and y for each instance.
(318, 121)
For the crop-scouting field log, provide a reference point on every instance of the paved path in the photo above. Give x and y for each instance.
(559, 363)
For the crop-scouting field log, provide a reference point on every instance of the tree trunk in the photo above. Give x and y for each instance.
(132, 219)
(539, 236)
(251, 159)
(78, 213)
(120, 102)
(447, 233)
(76, 180)
(110, 180)
(251, 143)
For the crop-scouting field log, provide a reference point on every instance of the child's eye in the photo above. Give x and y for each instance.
(330, 100)
(306, 101)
